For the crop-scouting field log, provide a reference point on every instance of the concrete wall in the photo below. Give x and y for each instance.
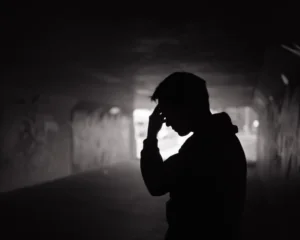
(35, 140)
(101, 138)
(47, 151)
(54, 137)
(279, 135)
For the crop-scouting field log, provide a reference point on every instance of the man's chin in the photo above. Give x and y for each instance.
(182, 133)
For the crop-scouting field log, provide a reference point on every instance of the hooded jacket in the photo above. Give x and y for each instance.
(206, 182)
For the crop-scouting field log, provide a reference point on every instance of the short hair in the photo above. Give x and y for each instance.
(183, 88)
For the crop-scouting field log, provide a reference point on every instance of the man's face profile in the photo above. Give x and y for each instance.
(176, 117)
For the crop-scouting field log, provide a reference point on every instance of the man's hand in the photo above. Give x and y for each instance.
(156, 121)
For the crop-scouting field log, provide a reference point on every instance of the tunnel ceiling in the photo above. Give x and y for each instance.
(136, 53)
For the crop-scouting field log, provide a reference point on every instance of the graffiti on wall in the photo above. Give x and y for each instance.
(279, 139)
(27, 136)
(27, 141)
(35, 141)
(283, 133)
(100, 138)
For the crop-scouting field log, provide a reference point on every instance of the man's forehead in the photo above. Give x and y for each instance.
(167, 101)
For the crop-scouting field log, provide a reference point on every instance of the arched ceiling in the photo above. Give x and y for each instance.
(135, 53)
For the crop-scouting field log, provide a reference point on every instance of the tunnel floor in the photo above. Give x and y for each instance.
(116, 205)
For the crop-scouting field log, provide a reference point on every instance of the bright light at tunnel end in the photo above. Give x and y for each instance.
(255, 123)
(170, 143)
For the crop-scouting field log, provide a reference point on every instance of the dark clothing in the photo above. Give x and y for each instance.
(206, 181)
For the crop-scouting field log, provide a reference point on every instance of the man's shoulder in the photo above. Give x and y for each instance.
(187, 145)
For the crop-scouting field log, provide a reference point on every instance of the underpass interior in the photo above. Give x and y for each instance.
(75, 107)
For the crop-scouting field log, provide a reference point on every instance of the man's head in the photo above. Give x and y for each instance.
(184, 101)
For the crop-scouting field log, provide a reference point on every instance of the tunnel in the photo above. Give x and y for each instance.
(75, 108)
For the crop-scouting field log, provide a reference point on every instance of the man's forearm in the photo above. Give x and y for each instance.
(151, 165)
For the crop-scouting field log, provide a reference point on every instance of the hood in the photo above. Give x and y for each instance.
(222, 123)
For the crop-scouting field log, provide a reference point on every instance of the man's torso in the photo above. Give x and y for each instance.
(209, 165)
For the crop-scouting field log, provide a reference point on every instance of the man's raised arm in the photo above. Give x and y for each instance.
(152, 167)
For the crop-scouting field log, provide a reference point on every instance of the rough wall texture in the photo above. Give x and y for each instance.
(279, 135)
(35, 141)
(100, 139)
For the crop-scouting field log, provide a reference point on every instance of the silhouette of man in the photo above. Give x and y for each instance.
(206, 179)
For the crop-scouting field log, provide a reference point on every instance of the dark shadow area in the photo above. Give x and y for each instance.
(92, 205)
(115, 205)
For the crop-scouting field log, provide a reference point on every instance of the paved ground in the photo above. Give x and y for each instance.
(115, 205)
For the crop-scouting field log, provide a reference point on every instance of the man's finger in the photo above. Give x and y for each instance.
(157, 109)
(156, 112)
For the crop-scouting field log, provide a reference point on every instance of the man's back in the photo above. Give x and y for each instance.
(207, 198)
